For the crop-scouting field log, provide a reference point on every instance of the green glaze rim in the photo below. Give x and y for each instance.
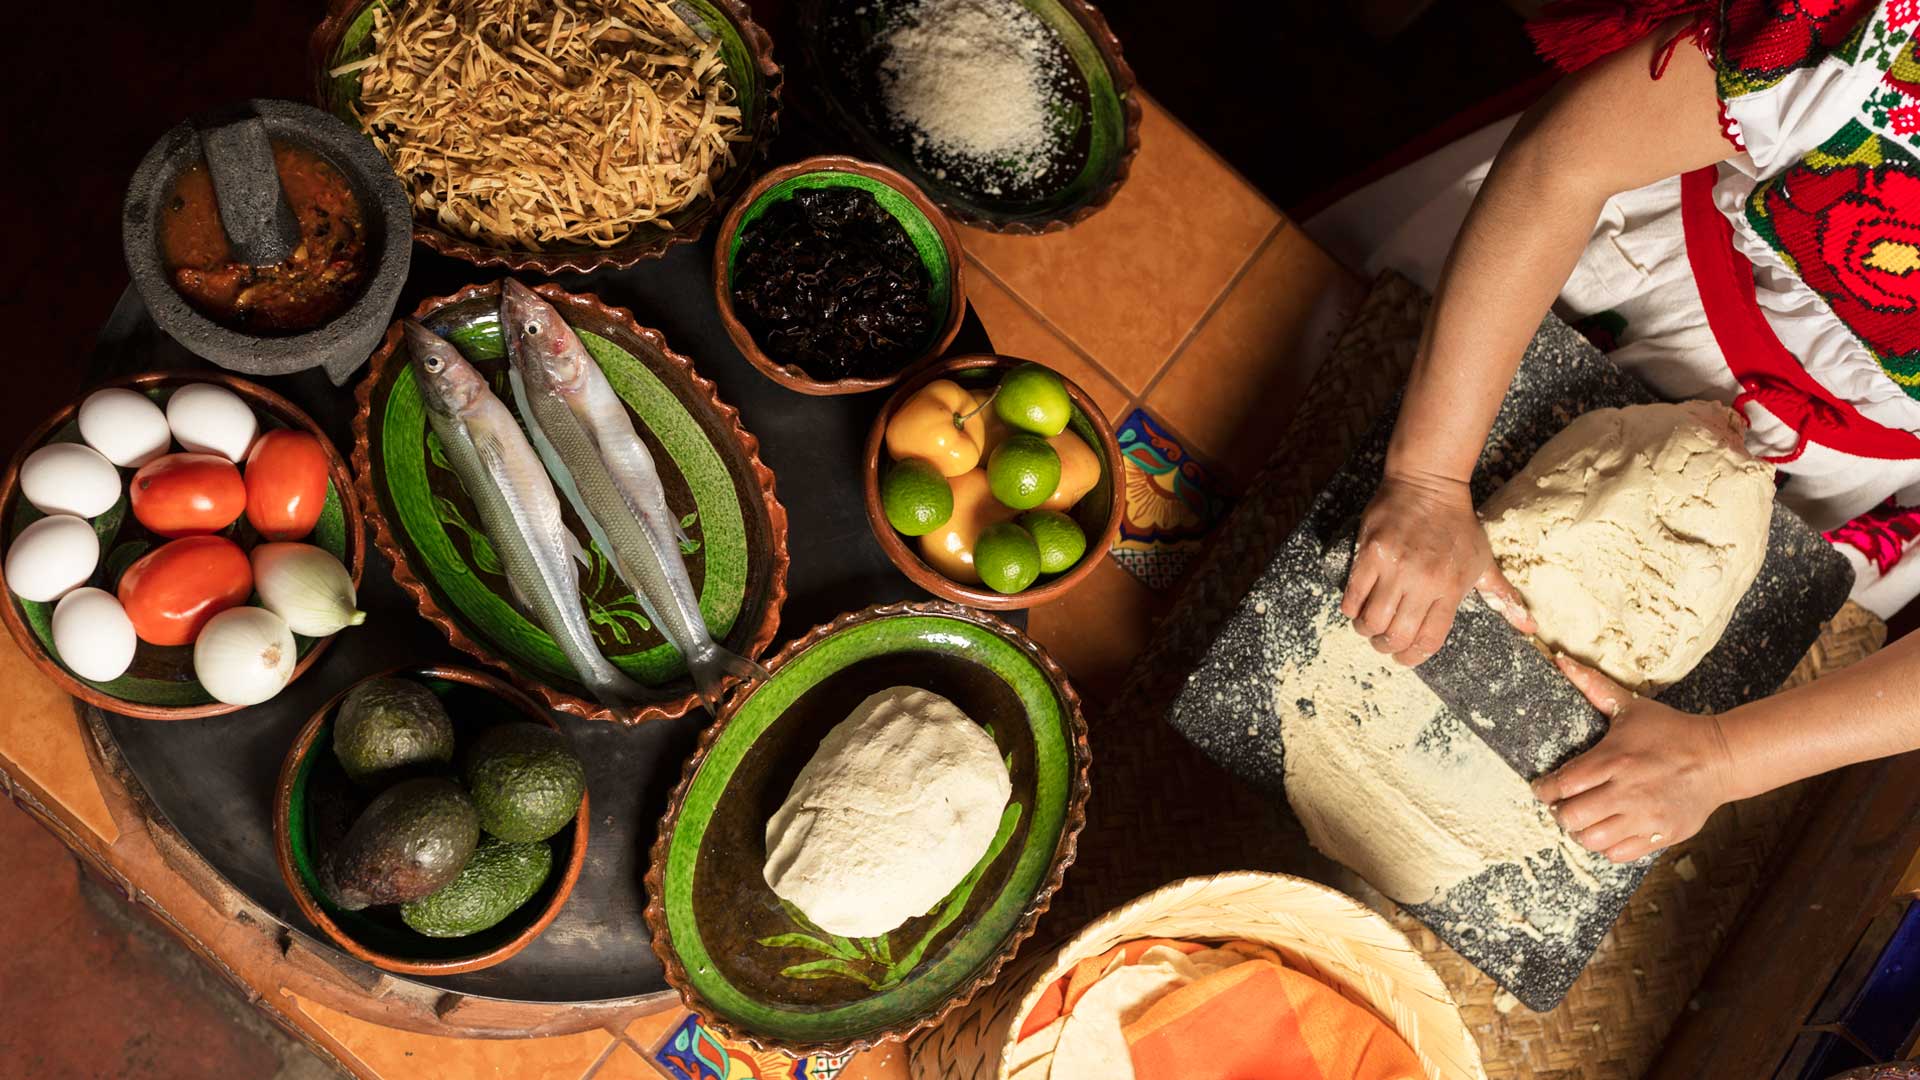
(971, 958)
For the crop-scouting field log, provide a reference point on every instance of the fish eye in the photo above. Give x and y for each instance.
(434, 364)
(532, 330)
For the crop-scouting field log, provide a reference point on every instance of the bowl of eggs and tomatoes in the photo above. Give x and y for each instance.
(993, 481)
(178, 544)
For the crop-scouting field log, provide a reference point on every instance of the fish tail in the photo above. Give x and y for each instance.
(711, 668)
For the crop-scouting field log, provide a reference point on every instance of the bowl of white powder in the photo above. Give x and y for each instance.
(1014, 116)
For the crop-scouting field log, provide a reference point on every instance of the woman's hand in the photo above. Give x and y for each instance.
(1420, 549)
(1653, 780)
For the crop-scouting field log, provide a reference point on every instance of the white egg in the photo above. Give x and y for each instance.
(93, 635)
(125, 426)
(52, 557)
(209, 419)
(68, 478)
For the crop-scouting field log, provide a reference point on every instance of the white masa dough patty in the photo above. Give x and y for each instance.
(902, 798)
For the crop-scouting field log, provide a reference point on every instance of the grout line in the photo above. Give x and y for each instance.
(606, 1053)
(1215, 305)
(1048, 324)
(1223, 477)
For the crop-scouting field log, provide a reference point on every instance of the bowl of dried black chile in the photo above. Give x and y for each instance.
(835, 276)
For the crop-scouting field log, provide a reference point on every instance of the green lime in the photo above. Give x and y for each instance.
(917, 498)
(1023, 471)
(1058, 536)
(1006, 557)
(1033, 398)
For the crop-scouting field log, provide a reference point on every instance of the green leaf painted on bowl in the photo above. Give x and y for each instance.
(916, 967)
(161, 675)
(447, 547)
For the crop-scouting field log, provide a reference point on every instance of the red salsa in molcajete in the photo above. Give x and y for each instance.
(320, 280)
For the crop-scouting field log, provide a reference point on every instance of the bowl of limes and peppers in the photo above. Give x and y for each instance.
(993, 481)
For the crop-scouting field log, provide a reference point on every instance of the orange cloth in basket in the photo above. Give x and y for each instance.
(1257, 1020)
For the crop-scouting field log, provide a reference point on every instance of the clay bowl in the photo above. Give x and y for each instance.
(425, 523)
(928, 228)
(839, 52)
(340, 345)
(1098, 512)
(727, 942)
(161, 685)
(376, 935)
(344, 36)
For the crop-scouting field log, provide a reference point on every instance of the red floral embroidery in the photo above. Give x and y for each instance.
(1854, 236)
(1765, 39)
(1902, 12)
(1906, 119)
(1881, 534)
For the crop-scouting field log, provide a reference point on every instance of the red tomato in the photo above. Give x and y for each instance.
(187, 494)
(171, 591)
(286, 484)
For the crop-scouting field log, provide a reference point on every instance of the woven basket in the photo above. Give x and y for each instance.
(1319, 931)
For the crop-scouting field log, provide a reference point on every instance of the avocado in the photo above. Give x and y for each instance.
(525, 779)
(412, 840)
(499, 878)
(388, 728)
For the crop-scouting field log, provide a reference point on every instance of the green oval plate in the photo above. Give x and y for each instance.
(840, 56)
(161, 685)
(751, 965)
(716, 485)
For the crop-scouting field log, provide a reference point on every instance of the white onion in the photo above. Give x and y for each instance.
(244, 655)
(306, 586)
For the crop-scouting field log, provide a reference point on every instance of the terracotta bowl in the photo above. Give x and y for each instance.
(745, 961)
(1098, 512)
(161, 685)
(835, 50)
(426, 524)
(376, 935)
(926, 226)
(746, 48)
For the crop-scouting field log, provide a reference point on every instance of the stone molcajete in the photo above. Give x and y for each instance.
(233, 145)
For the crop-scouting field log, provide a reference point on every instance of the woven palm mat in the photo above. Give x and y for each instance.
(1160, 811)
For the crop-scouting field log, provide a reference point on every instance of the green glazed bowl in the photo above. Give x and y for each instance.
(314, 796)
(425, 523)
(746, 49)
(161, 684)
(929, 230)
(840, 55)
(747, 963)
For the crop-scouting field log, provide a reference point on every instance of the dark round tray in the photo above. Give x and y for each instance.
(213, 779)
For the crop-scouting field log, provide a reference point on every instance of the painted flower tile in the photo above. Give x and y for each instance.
(1171, 503)
(692, 1051)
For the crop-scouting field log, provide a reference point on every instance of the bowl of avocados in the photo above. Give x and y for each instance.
(431, 820)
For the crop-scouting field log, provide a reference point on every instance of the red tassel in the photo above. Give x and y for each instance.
(1570, 34)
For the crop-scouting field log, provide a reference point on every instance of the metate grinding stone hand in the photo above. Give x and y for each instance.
(1512, 696)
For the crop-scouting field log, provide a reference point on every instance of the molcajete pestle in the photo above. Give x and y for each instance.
(227, 145)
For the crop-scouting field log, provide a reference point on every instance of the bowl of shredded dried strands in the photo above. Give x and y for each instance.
(549, 137)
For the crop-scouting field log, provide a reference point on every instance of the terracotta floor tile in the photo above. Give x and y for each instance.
(625, 1064)
(647, 1031)
(1130, 282)
(42, 737)
(84, 993)
(1098, 628)
(393, 1054)
(1016, 331)
(1233, 387)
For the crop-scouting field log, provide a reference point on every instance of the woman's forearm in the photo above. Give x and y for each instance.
(1516, 249)
(1866, 711)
